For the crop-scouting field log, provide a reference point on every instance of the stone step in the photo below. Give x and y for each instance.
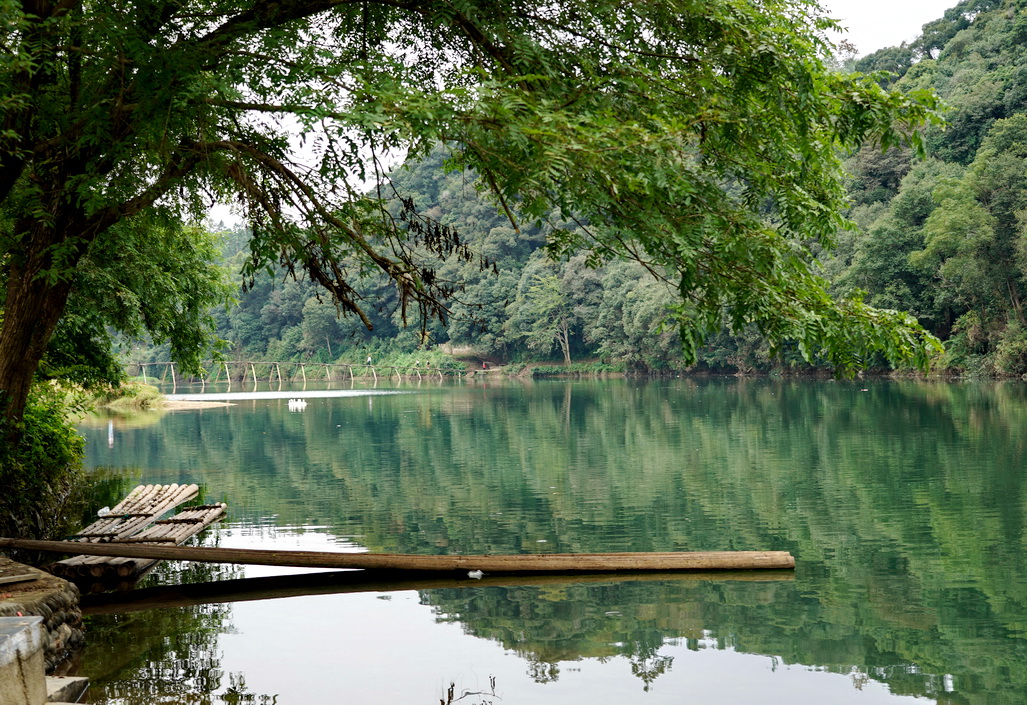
(22, 679)
(65, 689)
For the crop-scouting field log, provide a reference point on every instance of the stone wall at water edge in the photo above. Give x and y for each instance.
(46, 596)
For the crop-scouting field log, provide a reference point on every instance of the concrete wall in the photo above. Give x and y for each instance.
(21, 661)
(55, 600)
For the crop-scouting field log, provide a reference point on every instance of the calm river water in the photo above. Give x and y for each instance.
(904, 505)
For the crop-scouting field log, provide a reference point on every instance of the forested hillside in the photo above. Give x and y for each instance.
(513, 302)
(943, 237)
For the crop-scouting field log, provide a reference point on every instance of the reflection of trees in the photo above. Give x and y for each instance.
(167, 656)
(163, 656)
(650, 666)
(237, 692)
(904, 506)
(543, 671)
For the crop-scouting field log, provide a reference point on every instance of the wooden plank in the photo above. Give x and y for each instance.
(106, 569)
(22, 578)
(176, 530)
(545, 563)
(142, 505)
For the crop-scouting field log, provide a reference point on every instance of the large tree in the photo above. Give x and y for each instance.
(700, 138)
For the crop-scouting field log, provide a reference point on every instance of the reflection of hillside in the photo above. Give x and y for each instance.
(904, 505)
(547, 626)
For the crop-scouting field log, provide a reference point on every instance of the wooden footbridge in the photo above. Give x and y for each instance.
(227, 371)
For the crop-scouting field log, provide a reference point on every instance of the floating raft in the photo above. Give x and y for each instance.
(135, 520)
(490, 564)
(134, 513)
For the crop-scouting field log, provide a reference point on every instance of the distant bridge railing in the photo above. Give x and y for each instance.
(214, 371)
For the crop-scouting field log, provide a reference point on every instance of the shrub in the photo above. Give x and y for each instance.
(135, 395)
(40, 461)
(576, 369)
(1011, 351)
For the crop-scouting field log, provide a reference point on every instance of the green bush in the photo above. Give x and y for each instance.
(134, 395)
(40, 462)
(1011, 351)
(577, 368)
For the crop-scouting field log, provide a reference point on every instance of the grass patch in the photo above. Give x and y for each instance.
(130, 395)
(578, 369)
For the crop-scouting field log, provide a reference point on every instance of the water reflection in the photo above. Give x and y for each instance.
(904, 505)
(160, 656)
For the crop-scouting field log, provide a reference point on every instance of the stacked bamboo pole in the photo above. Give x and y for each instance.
(172, 531)
(141, 507)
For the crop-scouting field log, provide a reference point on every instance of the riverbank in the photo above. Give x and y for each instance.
(137, 396)
(53, 599)
(180, 405)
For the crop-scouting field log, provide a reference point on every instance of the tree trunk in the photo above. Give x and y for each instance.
(565, 341)
(30, 317)
(31, 312)
(1014, 299)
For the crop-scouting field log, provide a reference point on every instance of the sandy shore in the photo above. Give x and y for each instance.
(170, 405)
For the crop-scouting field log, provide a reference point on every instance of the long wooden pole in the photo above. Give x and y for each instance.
(545, 563)
(335, 582)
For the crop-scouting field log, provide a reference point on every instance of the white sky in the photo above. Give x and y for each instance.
(875, 24)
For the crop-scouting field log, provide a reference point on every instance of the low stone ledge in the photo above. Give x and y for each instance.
(47, 596)
(65, 689)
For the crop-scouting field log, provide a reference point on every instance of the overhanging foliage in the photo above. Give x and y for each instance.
(699, 138)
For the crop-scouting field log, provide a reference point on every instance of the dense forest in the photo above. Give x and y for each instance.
(943, 236)
(513, 302)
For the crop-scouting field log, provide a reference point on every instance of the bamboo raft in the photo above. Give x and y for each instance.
(490, 564)
(135, 520)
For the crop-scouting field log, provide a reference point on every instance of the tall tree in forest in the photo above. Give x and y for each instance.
(542, 314)
(667, 128)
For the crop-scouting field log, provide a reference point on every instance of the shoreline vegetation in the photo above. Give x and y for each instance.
(134, 395)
